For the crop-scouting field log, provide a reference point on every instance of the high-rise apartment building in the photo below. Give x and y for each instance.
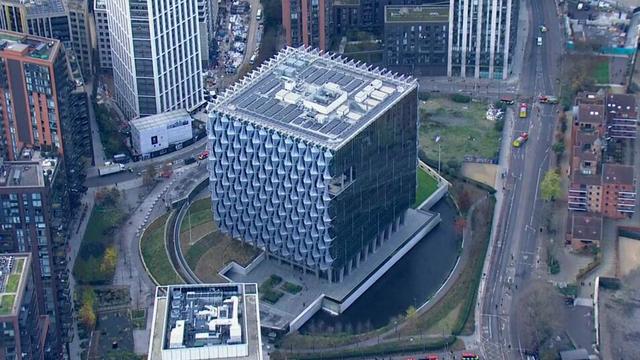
(43, 105)
(24, 330)
(482, 35)
(307, 22)
(415, 39)
(64, 20)
(207, 14)
(103, 41)
(313, 159)
(33, 211)
(156, 56)
(79, 19)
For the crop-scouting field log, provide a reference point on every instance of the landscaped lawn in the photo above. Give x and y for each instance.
(6, 304)
(199, 213)
(155, 255)
(463, 130)
(12, 283)
(19, 265)
(601, 72)
(97, 238)
(211, 253)
(426, 186)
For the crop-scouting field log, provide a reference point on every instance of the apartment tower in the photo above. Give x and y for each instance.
(156, 55)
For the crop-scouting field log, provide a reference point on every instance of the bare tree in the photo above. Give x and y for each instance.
(539, 315)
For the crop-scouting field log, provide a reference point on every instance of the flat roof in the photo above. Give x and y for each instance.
(100, 5)
(586, 226)
(617, 174)
(13, 269)
(29, 172)
(221, 320)
(318, 97)
(28, 45)
(166, 118)
(621, 105)
(416, 14)
(591, 113)
(39, 7)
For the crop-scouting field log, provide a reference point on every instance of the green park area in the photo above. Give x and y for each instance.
(462, 127)
(427, 185)
(206, 249)
(154, 253)
(111, 136)
(601, 71)
(96, 261)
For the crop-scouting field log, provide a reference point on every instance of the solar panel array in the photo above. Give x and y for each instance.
(258, 102)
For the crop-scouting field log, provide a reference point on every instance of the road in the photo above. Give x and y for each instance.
(514, 257)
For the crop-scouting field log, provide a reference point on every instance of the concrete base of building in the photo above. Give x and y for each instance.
(337, 292)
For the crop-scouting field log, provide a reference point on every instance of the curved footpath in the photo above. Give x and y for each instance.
(175, 250)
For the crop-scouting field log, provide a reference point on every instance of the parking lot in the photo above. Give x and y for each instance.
(237, 42)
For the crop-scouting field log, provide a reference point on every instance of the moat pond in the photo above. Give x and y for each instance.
(410, 282)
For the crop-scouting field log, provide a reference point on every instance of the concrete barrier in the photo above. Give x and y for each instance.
(306, 314)
(239, 268)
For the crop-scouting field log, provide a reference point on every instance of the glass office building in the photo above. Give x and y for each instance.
(313, 159)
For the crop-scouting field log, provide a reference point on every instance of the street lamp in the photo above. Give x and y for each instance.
(437, 139)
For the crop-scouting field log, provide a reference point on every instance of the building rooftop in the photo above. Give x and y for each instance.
(416, 14)
(591, 113)
(621, 106)
(39, 7)
(617, 174)
(160, 119)
(28, 45)
(217, 321)
(100, 4)
(13, 269)
(317, 97)
(586, 227)
(29, 172)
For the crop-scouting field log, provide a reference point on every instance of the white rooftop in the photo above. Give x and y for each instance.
(160, 119)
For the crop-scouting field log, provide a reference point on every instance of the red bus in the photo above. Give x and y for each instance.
(470, 356)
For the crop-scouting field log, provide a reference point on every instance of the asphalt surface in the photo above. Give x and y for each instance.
(515, 257)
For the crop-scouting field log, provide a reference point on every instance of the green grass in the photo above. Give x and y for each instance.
(6, 304)
(601, 72)
(155, 255)
(427, 185)
(200, 213)
(198, 249)
(463, 130)
(12, 283)
(267, 291)
(19, 265)
(139, 318)
(97, 238)
(291, 288)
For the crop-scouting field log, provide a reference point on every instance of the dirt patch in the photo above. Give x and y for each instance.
(484, 173)
(628, 255)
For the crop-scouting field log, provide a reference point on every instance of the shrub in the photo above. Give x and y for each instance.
(291, 288)
(459, 98)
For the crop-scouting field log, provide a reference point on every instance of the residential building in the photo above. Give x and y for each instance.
(156, 133)
(622, 116)
(206, 321)
(584, 229)
(24, 329)
(34, 210)
(618, 191)
(79, 18)
(415, 39)
(207, 15)
(313, 159)
(482, 36)
(48, 19)
(307, 23)
(602, 183)
(156, 56)
(102, 34)
(44, 106)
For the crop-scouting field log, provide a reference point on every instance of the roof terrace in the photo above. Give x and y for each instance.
(28, 45)
(416, 14)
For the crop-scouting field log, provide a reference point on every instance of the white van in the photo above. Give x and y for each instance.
(539, 41)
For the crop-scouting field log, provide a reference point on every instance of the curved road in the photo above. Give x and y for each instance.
(514, 258)
(175, 250)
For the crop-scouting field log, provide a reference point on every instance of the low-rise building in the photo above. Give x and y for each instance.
(157, 133)
(619, 191)
(622, 116)
(24, 328)
(584, 229)
(206, 321)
